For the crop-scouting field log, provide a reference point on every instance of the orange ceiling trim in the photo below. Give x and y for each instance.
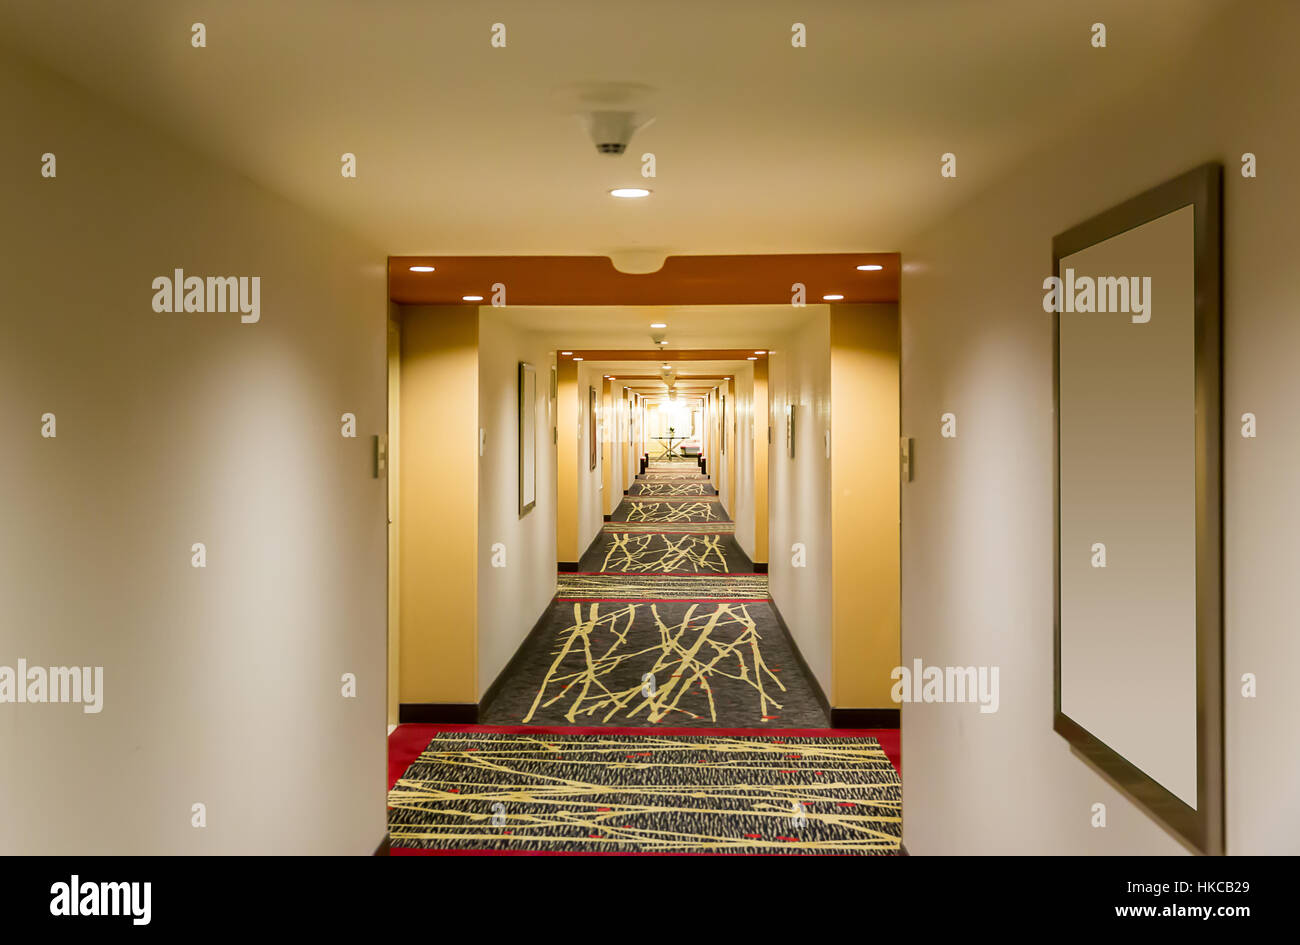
(683, 280)
(662, 355)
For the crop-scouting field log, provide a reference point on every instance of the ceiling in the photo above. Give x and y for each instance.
(697, 328)
(463, 148)
(691, 379)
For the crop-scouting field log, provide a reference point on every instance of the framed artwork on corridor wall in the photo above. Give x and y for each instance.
(1135, 297)
(527, 438)
(722, 432)
(591, 425)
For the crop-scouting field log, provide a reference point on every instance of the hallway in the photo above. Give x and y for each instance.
(666, 622)
(655, 672)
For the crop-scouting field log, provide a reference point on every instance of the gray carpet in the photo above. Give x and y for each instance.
(667, 625)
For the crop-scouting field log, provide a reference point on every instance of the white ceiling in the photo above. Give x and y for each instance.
(467, 149)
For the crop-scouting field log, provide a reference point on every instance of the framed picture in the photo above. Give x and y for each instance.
(1135, 298)
(591, 425)
(527, 438)
(722, 436)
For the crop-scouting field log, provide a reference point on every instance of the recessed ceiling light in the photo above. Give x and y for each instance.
(831, 298)
(629, 193)
(662, 342)
(658, 324)
(566, 352)
(760, 352)
(577, 359)
(668, 367)
(472, 298)
(751, 358)
(871, 268)
(421, 269)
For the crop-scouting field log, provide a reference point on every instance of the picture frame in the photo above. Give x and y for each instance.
(527, 426)
(591, 427)
(722, 428)
(1173, 622)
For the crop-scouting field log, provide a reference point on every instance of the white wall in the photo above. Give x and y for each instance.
(799, 497)
(511, 598)
(977, 519)
(222, 684)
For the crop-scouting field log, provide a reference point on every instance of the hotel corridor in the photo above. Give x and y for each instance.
(676, 715)
(665, 623)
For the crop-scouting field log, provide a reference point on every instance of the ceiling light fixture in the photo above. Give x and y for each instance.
(870, 268)
(577, 359)
(472, 298)
(751, 358)
(629, 193)
(831, 298)
(566, 352)
(760, 352)
(421, 269)
(658, 324)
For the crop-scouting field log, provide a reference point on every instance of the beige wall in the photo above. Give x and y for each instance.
(439, 504)
(864, 503)
(394, 495)
(741, 472)
(760, 410)
(591, 485)
(799, 489)
(567, 432)
(511, 598)
(977, 519)
(222, 685)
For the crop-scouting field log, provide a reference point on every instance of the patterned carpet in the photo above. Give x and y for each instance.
(664, 510)
(648, 793)
(661, 626)
(632, 552)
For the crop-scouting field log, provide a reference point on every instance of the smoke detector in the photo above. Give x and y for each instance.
(612, 129)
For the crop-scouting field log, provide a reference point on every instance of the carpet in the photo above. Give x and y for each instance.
(630, 552)
(658, 663)
(598, 586)
(669, 511)
(637, 792)
(671, 487)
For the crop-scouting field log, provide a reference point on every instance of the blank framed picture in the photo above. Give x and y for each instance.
(1135, 297)
(527, 437)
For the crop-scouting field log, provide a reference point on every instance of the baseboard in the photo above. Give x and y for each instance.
(450, 712)
(865, 718)
(384, 846)
(760, 567)
(803, 664)
(566, 565)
